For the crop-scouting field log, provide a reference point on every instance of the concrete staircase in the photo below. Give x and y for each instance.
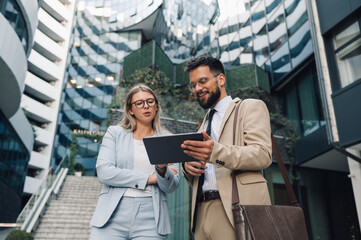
(68, 216)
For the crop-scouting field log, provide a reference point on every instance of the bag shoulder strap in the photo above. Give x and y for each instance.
(291, 193)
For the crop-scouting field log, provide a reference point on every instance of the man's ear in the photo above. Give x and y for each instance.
(222, 80)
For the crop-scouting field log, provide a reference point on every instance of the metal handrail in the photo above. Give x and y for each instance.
(37, 201)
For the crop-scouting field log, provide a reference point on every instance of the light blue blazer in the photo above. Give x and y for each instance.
(115, 170)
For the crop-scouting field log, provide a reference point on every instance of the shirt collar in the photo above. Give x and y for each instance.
(222, 105)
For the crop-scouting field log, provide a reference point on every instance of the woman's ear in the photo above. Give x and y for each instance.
(131, 112)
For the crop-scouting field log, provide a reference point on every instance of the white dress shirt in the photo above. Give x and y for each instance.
(210, 182)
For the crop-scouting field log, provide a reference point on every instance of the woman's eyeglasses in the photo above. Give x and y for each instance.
(140, 103)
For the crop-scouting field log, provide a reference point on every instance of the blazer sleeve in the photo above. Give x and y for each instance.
(107, 171)
(170, 181)
(256, 153)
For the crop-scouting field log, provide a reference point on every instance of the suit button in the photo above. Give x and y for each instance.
(136, 185)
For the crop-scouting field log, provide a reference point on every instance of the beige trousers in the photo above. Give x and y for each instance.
(212, 222)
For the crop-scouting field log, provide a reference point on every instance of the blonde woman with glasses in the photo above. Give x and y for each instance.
(132, 203)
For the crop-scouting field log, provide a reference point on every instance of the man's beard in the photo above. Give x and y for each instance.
(212, 99)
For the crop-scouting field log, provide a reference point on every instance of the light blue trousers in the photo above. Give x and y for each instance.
(132, 219)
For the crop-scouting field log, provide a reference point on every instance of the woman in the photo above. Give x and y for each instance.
(132, 202)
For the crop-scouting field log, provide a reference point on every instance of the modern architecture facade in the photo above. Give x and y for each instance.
(290, 48)
(311, 65)
(44, 81)
(18, 20)
(338, 34)
(104, 33)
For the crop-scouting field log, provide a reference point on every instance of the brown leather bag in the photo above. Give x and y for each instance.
(267, 222)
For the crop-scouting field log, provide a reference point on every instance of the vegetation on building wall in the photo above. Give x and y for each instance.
(176, 102)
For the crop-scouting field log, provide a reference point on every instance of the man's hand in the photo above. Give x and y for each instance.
(195, 168)
(200, 150)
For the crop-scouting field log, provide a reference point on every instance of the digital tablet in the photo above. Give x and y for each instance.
(167, 149)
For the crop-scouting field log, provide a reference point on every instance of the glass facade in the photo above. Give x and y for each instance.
(302, 103)
(101, 39)
(11, 11)
(273, 34)
(14, 157)
(183, 30)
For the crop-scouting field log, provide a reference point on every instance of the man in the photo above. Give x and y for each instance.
(212, 217)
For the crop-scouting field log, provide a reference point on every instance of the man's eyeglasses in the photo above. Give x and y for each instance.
(201, 82)
(140, 103)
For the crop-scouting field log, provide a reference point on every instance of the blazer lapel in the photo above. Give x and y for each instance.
(228, 113)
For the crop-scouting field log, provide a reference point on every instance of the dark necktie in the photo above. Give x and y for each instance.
(208, 131)
(210, 117)
(201, 178)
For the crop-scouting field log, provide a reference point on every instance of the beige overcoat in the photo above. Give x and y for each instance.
(251, 154)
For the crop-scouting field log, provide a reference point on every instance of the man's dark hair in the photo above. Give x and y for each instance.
(215, 66)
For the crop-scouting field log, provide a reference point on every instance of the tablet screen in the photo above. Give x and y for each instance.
(167, 148)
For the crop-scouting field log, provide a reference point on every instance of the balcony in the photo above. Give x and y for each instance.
(37, 111)
(314, 151)
(31, 185)
(56, 9)
(38, 160)
(346, 103)
(47, 47)
(39, 88)
(43, 137)
(51, 27)
(42, 67)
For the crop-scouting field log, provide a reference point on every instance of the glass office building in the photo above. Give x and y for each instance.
(14, 158)
(104, 33)
(17, 24)
(272, 35)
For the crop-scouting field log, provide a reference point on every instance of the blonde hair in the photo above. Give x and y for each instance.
(128, 122)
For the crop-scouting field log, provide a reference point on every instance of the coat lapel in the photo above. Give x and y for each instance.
(228, 114)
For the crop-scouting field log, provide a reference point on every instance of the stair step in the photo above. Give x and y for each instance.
(68, 215)
(64, 235)
(65, 221)
(79, 228)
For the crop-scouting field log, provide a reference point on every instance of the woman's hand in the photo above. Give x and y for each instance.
(152, 179)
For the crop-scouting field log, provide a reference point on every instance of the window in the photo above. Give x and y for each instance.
(347, 44)
(302, 103)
